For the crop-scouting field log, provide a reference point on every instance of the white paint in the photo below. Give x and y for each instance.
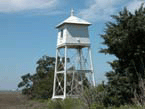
(75, 31)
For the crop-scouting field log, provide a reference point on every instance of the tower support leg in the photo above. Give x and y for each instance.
(65, 71)
(54, 84)
(92, 69)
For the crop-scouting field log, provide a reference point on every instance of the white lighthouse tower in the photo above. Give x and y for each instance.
(73, 67)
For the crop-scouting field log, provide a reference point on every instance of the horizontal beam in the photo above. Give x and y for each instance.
(58, 96)
(75, 71)
(79, 71)
(74, 45)
(59, 72)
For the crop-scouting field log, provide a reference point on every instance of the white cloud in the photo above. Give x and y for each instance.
(132, 6)
(22, 5)
(100, 10)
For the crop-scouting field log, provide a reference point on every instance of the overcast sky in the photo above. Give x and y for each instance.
(27, 32)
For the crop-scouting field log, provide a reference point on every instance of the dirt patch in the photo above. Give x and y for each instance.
(15, 100)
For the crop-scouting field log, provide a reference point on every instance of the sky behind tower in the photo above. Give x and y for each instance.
(27, 32)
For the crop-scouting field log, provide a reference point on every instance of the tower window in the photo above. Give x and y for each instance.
(61, 33)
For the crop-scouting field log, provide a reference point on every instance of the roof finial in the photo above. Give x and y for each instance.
(72, 12)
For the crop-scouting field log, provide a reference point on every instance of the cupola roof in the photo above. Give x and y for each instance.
(73, 20)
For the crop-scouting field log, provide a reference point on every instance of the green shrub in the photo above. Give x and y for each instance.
(68, 103)
(93, 95)
(96, 106)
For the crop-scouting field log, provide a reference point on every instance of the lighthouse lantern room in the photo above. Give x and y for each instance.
(73, 31)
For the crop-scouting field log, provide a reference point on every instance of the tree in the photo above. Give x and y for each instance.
(42, 81)
(26, 83)
(125, 38)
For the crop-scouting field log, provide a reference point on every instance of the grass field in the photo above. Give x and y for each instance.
(14, 100)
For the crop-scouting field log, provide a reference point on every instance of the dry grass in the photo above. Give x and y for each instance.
(15, 100)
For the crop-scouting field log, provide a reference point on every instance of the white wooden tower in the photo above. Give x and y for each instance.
(73, 67)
